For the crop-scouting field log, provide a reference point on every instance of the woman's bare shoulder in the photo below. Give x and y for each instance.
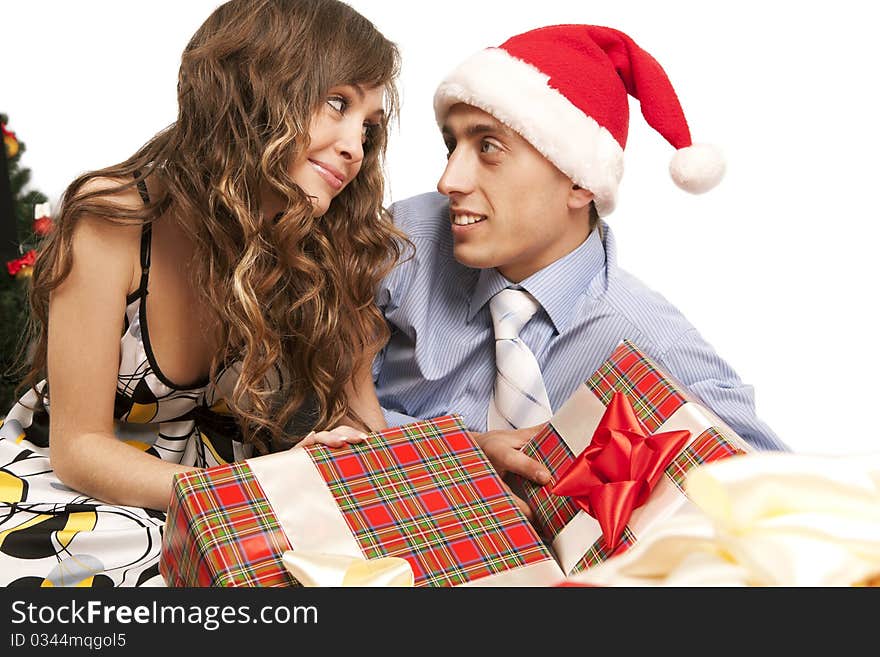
(110, 244)
(120, 192)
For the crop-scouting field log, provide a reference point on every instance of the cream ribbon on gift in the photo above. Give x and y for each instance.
(764, 519)
(321, 569)
(576, 421)
(313, 523)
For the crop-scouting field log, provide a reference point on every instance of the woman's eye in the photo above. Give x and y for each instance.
(369, 131)
(338, 103)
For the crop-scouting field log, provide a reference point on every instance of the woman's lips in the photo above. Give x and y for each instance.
(328, 173)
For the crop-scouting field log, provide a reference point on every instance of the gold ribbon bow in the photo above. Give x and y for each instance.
(763, 519)
(323, 569)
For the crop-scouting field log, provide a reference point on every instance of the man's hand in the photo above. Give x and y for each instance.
(502, 448)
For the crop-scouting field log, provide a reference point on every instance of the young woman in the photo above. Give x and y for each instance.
(237, 254)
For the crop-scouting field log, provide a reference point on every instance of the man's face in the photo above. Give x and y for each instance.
(510, 208)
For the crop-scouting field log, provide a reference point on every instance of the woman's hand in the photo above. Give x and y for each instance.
(339, 437)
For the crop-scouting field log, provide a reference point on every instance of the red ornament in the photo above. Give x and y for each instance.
(617, 471)
(27, 260)
(10, 141)
(43, 226)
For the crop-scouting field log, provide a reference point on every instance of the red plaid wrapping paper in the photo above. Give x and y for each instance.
(423, 492)
(656, 397)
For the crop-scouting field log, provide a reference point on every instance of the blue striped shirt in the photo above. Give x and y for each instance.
(441, 355)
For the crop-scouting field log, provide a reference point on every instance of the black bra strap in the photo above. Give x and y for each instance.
(146, 236)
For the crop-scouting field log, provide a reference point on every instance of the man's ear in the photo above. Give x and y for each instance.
(578, 197)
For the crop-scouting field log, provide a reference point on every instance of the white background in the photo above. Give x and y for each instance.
(776, 267)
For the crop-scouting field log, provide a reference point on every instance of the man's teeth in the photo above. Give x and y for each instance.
(466, 219)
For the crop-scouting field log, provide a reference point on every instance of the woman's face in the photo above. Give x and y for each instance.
(339, 132)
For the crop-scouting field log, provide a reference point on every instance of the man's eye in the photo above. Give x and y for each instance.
(488, 147)
(450, 147)
(338, 103)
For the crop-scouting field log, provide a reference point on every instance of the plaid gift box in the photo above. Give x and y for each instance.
(423, 492)
(661, 404)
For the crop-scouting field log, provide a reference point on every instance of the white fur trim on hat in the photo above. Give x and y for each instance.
(517, 94)
(697, 168)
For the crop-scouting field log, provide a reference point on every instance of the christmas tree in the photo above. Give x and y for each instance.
(24, 221)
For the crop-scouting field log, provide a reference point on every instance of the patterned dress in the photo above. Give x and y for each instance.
(51, 535)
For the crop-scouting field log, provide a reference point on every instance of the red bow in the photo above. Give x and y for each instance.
(617, 471)
(28, 259)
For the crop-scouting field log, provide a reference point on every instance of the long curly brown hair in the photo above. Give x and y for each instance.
(295, 293)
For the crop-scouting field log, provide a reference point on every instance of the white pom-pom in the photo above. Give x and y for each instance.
(698, 168)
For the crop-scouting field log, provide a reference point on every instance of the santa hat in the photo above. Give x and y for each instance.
(564, 89)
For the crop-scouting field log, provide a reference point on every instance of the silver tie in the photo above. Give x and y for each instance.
(519, 398)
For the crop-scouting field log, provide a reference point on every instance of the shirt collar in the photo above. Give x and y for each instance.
(556, 287)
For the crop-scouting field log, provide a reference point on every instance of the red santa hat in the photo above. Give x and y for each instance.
(565, 88)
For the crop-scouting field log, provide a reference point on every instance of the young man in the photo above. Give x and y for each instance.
(513, 296)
